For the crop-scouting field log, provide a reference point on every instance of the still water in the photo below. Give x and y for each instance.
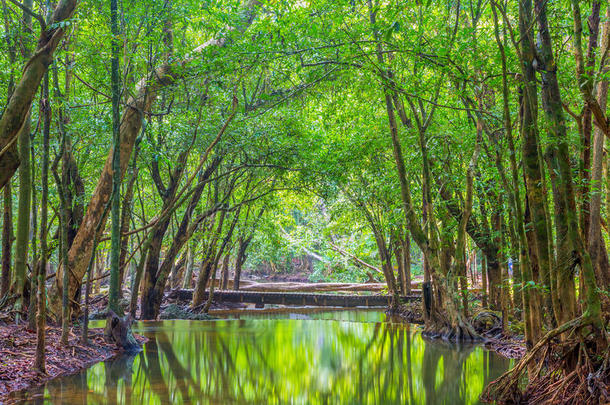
(338, 357)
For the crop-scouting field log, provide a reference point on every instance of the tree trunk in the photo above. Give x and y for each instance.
(406, 256)
(127, 206)
(596, 244)
(217, 257)
(190, 263)
(32, 307)
(460, 250)
(493, 278)
(240, 259)
(7, 240)
(62, 185)
(177, 273)
(484, 280)
(208, 303)
(117, 175)
(532, 173)
(20, 102)
(25, 190)
(207, 263)
(400, 266)
(23, 216)
(118, 331)
(225, 272)
(386, 259)
(202, 281)
(99, 267)
(39, 362)
(567, 220)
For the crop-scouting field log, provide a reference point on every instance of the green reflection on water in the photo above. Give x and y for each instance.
(347, 357)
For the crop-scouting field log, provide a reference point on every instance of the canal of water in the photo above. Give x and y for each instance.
(309, 357)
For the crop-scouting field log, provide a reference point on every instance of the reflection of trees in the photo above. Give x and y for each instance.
(184, 379)
(451, 389)
(280, 361)
(152, 369)
(115, 371)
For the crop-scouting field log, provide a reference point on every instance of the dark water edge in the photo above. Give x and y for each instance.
(295, 357)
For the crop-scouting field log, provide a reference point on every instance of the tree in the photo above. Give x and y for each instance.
(115, 283)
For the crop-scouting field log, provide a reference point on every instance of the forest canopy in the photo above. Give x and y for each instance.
(148, 146)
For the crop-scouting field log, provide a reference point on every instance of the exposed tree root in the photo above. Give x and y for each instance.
(457, 333)
(118, 331)
(452, 329)
(410, 312)
(574, 371)
(488, 324)
(174, 311)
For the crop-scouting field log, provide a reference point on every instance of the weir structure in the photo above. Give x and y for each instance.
(296, 298)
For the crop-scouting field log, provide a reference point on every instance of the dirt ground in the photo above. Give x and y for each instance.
(18, 347)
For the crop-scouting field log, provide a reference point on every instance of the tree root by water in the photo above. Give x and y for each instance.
(174, 311)
(118, 331)
(451, 328)
(410, 312)
(574, 371)
(487, 323)
(453, 333)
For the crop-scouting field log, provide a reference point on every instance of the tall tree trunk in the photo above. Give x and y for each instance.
(535, 244)
(573, 249)
(385, 256)
(398, 247)
(202, 280)
(61, 185)
(7, 239)
(33, 242)
(460, 250)
(216, 260)
(177, 272)
(126, 206)
(117, 175)
(23, 217)
(567, 220)
(39, 362)
(25, 191)
(586, 85)
(596, 244)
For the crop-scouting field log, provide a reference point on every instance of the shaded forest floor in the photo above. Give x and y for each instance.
(18, 349)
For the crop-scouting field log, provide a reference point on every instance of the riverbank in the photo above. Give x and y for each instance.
(486, 323)
(18, 348)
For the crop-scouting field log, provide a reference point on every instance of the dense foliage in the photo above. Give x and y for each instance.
(353, 140)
